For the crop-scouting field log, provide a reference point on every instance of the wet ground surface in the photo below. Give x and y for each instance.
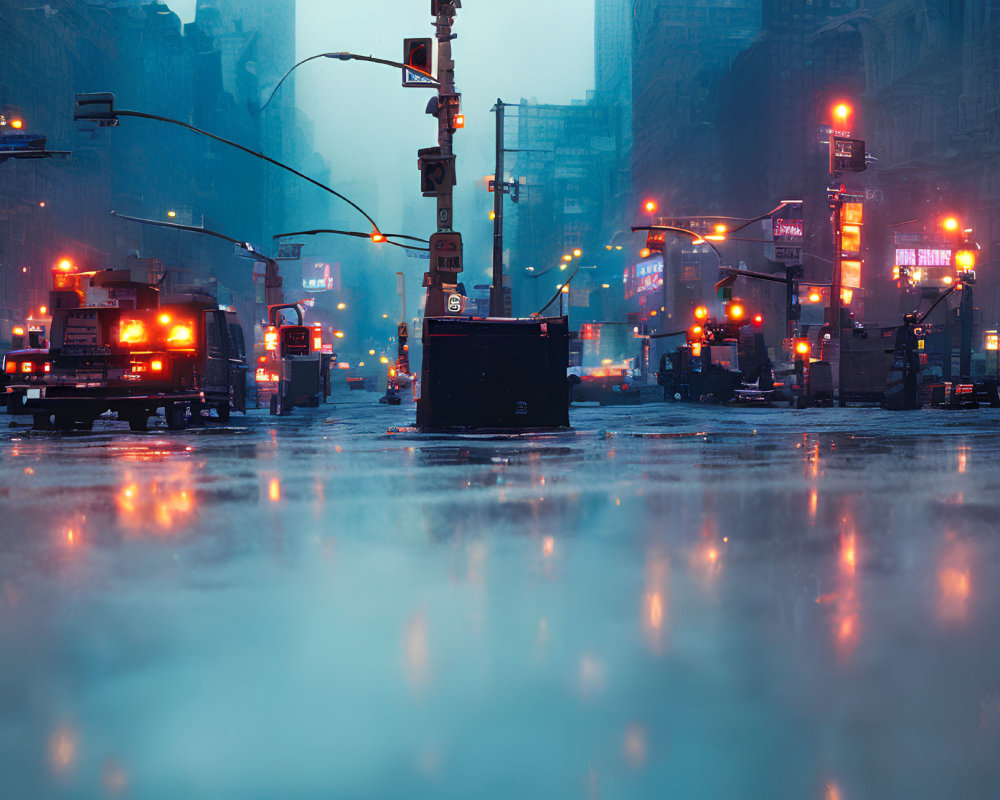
(670, 601)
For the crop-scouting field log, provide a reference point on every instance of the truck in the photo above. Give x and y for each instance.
(293, 367)
(118, 345)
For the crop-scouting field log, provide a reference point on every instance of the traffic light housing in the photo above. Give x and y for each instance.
(418, 57)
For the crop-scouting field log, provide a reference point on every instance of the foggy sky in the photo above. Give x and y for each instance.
(369, 128)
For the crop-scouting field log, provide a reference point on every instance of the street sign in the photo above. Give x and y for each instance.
(288, 251)
(847, 155)
(788, 229)
(787, 253)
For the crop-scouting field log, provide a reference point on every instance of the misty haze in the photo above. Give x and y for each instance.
(496, 398)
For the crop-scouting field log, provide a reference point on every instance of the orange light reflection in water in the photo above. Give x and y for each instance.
(160, 506)
(274, 490)
(634, 746)
(416, 651)
(847, 620)
(62, 749)
(954, 578)
(548, 546)
(963, 459)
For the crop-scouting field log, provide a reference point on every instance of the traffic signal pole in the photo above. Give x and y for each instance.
(440, 282)
(496, 290)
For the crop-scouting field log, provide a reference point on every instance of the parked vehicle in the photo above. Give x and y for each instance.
(119, 345)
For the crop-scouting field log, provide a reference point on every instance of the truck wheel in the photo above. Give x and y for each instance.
(176, 414)
(64, 422)
(196, 408)
(314, 401)
(223, 411)
(15, 403)
(138, 421)
(42, 421)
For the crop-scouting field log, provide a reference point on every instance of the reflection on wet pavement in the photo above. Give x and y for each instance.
(693, 603)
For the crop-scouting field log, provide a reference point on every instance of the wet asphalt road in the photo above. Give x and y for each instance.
(670, 601)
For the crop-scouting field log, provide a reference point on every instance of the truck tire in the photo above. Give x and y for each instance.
(42, 421)
(65, 422)
(176, 414)
(15, 403)
(138, 421)
(223, 411)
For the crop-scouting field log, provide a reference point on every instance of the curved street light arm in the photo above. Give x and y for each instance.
(256, 154)
(359, 235)
(193, 229)
(347, 57)
(556, 295)
(672, 229)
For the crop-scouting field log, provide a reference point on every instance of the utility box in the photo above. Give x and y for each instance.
(494, 374)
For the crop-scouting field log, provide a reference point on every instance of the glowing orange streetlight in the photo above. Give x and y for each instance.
(949, 224)
(378, 237)
(650, 206)
(719, 234)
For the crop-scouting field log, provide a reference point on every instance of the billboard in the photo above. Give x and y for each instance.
(320, 276)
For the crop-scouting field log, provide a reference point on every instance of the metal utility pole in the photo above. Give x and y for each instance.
(437, 167)
(496, 290)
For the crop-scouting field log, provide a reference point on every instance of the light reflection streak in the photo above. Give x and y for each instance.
(416, 651)
(162, 506)
(954, 581)
(963, 459)
(634, 746)
(274, 490)
(847, 620)
(62, 749)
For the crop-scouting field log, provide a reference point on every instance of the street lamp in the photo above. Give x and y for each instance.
(99, 107)
(432, 82)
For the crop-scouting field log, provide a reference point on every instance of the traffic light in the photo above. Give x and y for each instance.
(965, 259)
(446, 7)
(417, 55)
(97, 107)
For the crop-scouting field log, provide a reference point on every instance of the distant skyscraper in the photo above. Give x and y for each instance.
(613, 89)
(681, 50)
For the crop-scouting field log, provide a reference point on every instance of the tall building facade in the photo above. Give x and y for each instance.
(211, 73)
(567, 157)
(680, 52)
